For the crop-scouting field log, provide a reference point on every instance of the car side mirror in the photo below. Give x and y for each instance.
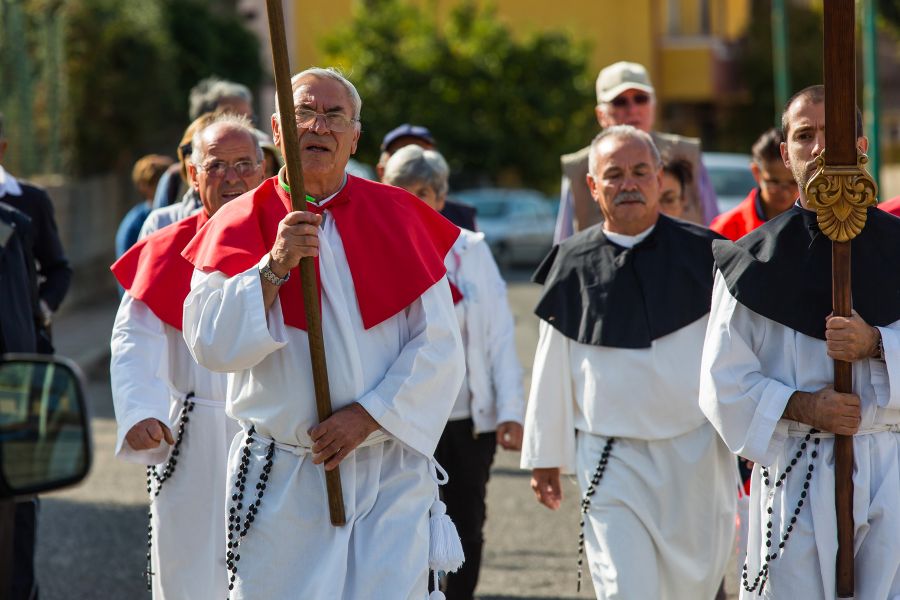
(45, 440)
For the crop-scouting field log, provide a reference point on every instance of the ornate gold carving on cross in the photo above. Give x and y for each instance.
(840, 196)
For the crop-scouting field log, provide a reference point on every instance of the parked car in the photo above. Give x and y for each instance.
(517, 223)
(45, 439)
(731, 177)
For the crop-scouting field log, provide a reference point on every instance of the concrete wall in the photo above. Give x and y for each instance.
(88, 213)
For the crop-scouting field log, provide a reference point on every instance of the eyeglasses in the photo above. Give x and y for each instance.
(636, 99)
(772, 184)
(218, 168)
(334, 121)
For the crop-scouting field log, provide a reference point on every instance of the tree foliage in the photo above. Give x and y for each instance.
(126, 71)
(755, 65)
(502, 109)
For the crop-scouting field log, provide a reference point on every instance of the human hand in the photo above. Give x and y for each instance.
(850, 338)
(509, 435)
(147, 434)
(338, 435)
(297, 237)
(546, 487)
(826, 410)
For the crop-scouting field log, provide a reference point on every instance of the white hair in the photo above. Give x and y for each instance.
(335, 75)
(208, 93)
(626, 132)
(412, 165)
(227, 121)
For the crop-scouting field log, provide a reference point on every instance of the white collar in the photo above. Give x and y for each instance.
(627, 241)
(8, 184)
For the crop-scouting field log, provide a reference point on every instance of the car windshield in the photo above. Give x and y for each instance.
(491, 209)
(731, 181)
(490, 204)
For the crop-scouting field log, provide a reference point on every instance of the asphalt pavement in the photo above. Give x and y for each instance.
(92, 537)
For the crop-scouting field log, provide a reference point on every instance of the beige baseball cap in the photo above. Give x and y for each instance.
(621, 76)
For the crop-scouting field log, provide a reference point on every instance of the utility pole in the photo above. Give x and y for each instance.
(21, 120)
(780, 69)
(871, 89)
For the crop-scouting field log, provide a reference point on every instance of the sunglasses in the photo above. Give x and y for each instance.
(623, 101)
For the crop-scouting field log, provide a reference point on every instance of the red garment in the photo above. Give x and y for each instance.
(740, 220)
(395, 244)
(154, 272)
(892, 206)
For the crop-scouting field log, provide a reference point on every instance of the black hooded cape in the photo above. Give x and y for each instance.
(601, 294)
(782, 270)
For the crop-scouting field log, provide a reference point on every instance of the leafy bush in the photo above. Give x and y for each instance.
(502, 109)
(124, 76)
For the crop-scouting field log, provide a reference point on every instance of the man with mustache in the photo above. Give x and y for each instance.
(394, 355)
(767, 377)
(625, 96)
(171, 411)
(615, 385)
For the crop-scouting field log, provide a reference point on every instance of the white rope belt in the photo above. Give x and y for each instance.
(300, 450)
(206, 402)
(794, 431)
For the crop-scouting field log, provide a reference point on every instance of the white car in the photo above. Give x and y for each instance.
(730, 176)
(517, 223)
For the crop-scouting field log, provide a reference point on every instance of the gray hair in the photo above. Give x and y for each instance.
(335, 75)
(412, 164)
(626, 132)
(208, 93)
(231, 122)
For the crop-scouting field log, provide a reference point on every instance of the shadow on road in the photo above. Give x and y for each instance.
(517, 597)
(507, 472)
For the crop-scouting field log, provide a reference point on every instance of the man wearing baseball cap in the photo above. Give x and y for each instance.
(458, 213)
(625, 96)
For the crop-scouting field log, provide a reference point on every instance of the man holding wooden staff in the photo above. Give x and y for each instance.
(767, 377)
(394, 357)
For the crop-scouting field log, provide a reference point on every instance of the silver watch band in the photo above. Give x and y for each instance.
(271, 277)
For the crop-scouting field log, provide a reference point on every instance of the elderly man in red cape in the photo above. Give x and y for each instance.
(169, 410)
(393, 351)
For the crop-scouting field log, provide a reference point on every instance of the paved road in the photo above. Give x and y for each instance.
(92, 537)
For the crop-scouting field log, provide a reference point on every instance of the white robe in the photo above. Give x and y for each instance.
(751, 366)
(405, 372)
(151, 373)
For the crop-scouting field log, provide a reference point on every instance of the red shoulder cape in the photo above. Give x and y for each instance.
(892, 206)
(395, 244)
(740, 220)
(154, 272)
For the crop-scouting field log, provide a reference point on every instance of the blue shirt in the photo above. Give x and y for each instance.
(130, 227)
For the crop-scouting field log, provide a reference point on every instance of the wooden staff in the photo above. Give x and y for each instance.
(840, 193)
(291, 147)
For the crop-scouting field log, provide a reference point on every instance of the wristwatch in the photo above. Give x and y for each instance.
(269, 275)
(880, 345)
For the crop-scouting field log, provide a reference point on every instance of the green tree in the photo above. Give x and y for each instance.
(124, 72)
(502, 109)
(746, 121)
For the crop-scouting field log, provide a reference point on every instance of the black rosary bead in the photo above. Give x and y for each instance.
(586, 502)
(252, 507)
(168, 471)
(759, 582)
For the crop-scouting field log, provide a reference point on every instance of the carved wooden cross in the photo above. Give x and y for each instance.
(840, 192)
